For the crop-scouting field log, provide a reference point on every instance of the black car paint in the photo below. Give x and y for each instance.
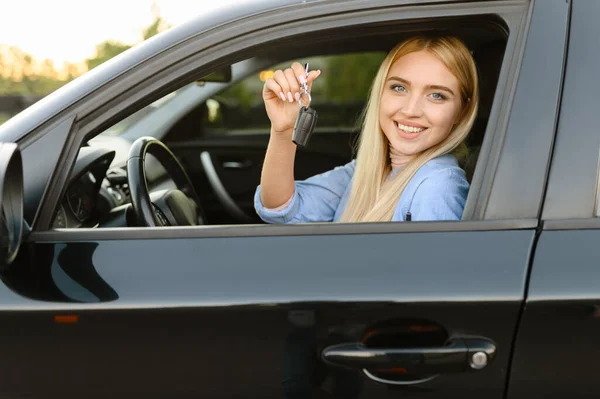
(557, 346)
(237, 316)
(218, 319)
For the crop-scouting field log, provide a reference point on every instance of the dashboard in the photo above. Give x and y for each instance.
(90, 195)
(97, 194)
(80, 200)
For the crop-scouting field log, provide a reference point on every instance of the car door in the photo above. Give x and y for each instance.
(557, 345)
(421, 309)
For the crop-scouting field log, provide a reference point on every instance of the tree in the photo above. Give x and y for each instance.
(21, 74)
(105, 51)
(155, 28)
(353, 76)
(111, 48)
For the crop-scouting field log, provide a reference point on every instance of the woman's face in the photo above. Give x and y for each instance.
(420, 104)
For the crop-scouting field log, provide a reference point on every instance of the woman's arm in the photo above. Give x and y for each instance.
(280, 95)
(315, 199)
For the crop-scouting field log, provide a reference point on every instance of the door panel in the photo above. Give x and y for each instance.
(558, 345)
(249, 316)
(238, 159)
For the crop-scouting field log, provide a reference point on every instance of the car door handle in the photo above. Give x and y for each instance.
(219, 189)
(460, 354)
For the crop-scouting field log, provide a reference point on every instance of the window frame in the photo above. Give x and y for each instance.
(572, 198)
(107, 107)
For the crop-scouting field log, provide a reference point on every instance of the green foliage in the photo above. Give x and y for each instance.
(21, 75)
(351, 76)
(104, 52)
(155, 28)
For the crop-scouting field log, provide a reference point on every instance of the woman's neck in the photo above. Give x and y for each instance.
(397, 159)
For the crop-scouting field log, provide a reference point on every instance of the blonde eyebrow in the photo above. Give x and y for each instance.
(406, 82)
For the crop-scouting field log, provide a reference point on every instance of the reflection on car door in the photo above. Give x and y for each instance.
(253, 315)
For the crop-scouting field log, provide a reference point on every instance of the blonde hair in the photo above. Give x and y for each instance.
(372, 201)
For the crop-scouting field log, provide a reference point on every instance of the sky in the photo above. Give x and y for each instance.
(69, 30)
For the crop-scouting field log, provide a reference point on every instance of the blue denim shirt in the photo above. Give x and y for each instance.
(437, 191)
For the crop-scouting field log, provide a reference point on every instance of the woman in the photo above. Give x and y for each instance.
(421, 107)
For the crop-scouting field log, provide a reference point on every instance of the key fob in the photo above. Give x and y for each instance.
(305, 125)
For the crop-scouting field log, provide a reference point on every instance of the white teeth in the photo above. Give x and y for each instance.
(409, 129)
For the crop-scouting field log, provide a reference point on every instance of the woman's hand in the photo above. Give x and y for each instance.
(281, 94)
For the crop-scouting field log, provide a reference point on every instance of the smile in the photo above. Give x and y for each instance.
(409, 129)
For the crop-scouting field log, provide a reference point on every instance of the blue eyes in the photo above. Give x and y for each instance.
(401, 89)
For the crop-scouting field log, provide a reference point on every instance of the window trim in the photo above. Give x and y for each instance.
(571, 224)
(104, 108)
(272, 230)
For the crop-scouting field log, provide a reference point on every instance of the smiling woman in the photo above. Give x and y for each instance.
(422, 105)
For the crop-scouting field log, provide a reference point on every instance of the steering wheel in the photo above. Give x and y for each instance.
(172, 207)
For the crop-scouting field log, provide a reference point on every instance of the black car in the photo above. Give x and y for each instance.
(134, 265)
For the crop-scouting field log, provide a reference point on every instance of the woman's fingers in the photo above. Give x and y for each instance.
(287, 84)
(312, 75)
(300, 73)
(294, 93)
(281, 80)
(273, 89)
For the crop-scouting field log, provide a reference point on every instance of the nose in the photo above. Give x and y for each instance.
(412, 106)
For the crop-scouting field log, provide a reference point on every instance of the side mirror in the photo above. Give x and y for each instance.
(11, 203)
(221, 75)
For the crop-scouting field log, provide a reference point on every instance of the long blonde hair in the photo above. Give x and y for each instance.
(372, 201)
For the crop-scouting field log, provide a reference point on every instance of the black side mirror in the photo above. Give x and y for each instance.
(11, 203)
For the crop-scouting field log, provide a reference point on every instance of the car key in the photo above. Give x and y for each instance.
(307, 118)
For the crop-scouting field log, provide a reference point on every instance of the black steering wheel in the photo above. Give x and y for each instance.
(172, 207)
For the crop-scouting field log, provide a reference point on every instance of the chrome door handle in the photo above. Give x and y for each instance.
(220, 191)
(460, 354)
(236, 164)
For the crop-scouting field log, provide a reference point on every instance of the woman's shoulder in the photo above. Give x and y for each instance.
(437, 191)
(446, 163)
(440, 168)
(443, 171)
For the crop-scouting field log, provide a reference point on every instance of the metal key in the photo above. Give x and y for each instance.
(307, 118)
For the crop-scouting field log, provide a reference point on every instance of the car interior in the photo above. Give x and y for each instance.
(207, 138)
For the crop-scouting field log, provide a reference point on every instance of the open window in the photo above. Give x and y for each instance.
(218, 130)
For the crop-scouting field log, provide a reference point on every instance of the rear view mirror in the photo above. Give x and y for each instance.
(221, 75)
(11, 203)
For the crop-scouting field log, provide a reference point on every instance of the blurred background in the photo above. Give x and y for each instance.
(44, 44)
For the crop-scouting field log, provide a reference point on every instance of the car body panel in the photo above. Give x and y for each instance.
(229, 311)
(572, 188)
(532, 124)
(557, 347)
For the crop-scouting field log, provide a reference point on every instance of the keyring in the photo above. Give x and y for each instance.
(305, 88)
(300, 99)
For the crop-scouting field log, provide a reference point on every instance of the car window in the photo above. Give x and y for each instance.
(338, 95)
